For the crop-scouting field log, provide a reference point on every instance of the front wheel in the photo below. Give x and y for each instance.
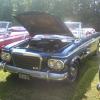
(73, 72)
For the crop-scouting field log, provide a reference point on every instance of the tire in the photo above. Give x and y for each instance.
(98, 87)
(73, 72)
(97, 50)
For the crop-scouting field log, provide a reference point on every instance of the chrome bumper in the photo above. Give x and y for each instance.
(37, 74)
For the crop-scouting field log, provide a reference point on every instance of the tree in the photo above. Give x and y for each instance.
(86, 11)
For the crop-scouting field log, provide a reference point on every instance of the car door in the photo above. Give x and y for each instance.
(94, 44)
(91, 46)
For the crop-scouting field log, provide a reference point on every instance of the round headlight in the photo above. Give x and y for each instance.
(51, 63)
(56, 64)
(59, 65)
(5, 56)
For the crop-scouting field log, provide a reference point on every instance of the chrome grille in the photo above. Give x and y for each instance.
(27, 62)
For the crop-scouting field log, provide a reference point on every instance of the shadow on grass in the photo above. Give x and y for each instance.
(87, 74)
(17, 89)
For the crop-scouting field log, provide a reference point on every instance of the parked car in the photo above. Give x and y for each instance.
(78, 31)
(88, 31)
(9, 34)
(18, 31)
(51, 53)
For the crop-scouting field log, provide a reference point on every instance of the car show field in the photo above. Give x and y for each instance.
(53, 63)
(50, 50)
(13, 88)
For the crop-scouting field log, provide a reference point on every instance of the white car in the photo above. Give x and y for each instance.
(88, 31)
(18, 30)
(78, 31)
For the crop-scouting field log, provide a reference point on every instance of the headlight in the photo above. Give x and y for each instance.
(5, 56)
(55, 64)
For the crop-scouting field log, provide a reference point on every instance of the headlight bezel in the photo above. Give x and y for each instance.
(5, 56)
(54, 62)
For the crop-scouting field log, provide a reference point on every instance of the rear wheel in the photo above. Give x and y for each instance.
(97, 50)
(98, 87)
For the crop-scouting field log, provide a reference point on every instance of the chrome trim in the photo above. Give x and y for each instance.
(37, 74)
(56, 62)
(84, 45)
(4, 56)
(25, 53)
(2, 65)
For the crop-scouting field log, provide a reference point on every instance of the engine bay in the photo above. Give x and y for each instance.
(46, 44)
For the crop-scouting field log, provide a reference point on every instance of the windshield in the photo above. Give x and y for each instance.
(73, 25)
(3, 26)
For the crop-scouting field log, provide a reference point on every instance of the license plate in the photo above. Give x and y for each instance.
(24, 76)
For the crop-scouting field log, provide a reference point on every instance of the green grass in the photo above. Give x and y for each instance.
(86, 88)
(12, 88)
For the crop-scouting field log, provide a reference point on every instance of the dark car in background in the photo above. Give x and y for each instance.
(52, 52)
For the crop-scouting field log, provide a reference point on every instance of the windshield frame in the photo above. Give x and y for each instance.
(2, 28)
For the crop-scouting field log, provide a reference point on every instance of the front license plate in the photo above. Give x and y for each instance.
(24, 76)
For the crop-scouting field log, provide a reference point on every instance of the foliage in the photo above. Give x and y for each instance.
(86, 11)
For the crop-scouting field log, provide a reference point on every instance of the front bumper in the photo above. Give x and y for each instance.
(37, 74)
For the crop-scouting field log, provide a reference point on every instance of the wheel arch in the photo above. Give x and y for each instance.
(76, 58)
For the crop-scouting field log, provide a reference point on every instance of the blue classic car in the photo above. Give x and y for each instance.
(52, 52)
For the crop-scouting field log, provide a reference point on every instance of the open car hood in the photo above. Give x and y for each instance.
(39, 23)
